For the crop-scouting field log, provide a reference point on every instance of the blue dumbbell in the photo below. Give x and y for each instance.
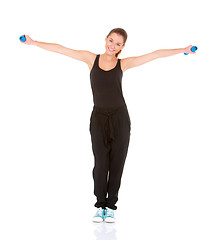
(22, 38)
(193, 49)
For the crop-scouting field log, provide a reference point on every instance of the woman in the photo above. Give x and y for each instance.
(110, 122)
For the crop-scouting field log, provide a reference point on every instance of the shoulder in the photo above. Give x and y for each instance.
(89, 56)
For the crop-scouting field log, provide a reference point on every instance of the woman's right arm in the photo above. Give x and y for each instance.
(80, 55)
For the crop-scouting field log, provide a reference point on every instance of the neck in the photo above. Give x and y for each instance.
(109, 57)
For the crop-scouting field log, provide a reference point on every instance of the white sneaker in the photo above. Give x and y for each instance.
(99, 216)
(109, 215)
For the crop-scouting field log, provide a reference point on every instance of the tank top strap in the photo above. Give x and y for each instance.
(118, 63)
(97, 58)
(95, 64)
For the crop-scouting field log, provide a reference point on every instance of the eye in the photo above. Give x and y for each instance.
(110, 40)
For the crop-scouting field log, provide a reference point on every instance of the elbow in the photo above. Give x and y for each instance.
(156, 54)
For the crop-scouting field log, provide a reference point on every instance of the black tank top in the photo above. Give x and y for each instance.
(107, 86)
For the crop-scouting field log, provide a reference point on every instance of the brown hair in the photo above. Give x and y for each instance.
(121, 32)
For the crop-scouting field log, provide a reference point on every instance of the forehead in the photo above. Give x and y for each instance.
(116, 37)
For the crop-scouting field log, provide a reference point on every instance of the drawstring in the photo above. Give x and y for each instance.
(109, 129)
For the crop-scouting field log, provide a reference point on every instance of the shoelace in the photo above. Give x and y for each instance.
(109, 213)
(99, 213)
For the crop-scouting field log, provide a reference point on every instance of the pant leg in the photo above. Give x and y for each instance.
(101, 157)
(118, 153)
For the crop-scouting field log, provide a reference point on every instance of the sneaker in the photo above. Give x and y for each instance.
(99, 216)
(109, 215)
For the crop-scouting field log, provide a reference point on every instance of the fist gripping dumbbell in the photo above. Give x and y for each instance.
(193, 49)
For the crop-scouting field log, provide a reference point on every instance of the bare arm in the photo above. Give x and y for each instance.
(131, 62)
(169, 52)
(80, 55)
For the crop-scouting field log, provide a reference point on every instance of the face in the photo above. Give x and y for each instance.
(114, 43)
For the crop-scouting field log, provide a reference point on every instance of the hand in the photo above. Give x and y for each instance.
(28, 41)
(188, 49)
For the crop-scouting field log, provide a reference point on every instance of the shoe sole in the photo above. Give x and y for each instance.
(110, 220)
(98, 220)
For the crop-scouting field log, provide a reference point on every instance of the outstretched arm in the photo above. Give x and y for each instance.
(80, 55)
(171, 52)
(131, 62)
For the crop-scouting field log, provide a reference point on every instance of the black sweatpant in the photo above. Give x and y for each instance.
(110, 135)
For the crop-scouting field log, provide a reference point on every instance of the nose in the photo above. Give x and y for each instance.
(111, 45)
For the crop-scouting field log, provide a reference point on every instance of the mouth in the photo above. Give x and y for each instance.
(111, 50)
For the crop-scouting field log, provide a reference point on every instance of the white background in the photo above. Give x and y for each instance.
(46, 160)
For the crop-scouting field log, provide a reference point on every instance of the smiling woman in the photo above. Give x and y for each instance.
(110, 123)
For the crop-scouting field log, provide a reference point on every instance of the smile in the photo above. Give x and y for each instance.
(111, 50)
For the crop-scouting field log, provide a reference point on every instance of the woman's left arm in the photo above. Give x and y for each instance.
(131, 62)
